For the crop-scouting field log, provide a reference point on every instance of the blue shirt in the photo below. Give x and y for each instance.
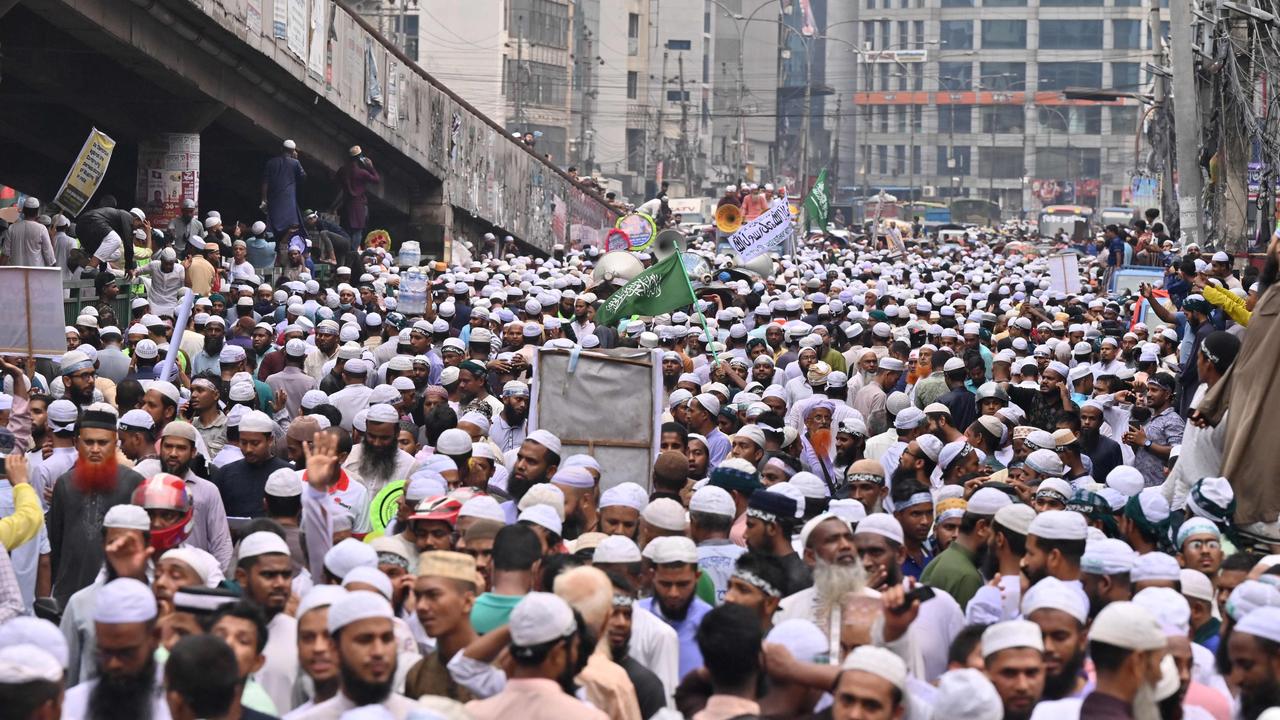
(717, 450)
(686, 631)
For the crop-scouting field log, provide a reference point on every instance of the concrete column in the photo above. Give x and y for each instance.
(430, 219)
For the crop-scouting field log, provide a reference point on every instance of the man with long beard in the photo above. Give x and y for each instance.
(81, 498)
(1126, 646)
(851, 442)
(536, 461)
(508, 428)
(956, 568)
(1055, 545)
(215, 331)
(177, 454)
(830, 551)
(361, 624)
(128, 686)
(1061, 615)
(1254, 651)
(79, 377)
(378, 459)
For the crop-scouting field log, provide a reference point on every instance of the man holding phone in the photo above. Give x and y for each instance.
(1153, 441)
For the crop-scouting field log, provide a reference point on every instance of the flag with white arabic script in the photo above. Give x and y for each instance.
(662, 288)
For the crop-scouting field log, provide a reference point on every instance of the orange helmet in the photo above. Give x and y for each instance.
(165, 492)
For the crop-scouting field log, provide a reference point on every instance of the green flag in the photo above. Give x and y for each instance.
(662, 288)
(817, 203)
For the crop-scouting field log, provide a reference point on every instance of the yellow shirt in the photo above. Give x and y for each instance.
(26, 519)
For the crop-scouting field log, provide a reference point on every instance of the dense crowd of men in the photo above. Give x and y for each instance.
(914, 481)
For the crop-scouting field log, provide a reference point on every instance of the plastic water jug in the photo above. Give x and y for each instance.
(410, 254)
(412, 297)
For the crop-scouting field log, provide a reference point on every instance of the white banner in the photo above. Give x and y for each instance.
(1064, 273)
(764, 234)
(31, 324)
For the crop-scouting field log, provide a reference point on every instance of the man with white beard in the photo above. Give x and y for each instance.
(829, 551)
(1126, 646)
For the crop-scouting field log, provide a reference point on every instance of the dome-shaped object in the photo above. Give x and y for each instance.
(617, 267)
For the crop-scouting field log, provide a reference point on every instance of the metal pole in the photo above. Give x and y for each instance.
(808, 99)
(1186, 123)
(519, 80)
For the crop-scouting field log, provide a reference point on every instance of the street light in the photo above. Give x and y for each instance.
(741, 23)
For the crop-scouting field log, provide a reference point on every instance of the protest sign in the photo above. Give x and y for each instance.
(639, 228)
(31, 324)
(86, 173)
(762, 235)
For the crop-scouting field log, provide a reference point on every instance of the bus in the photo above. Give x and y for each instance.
(1074, 219)
(1122, 216)
(974, 211)
(931, 214)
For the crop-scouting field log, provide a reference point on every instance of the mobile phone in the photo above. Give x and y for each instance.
(922, 593)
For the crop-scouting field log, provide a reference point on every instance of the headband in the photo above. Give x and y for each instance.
(757, 582)
(76, 367)
(919, 498)
(865, 477)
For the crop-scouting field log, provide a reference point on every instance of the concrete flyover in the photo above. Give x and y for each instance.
(245, 74)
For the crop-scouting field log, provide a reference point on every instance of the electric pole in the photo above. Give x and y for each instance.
(588, 92)
(519, 80)
(808, 99)
(1163, 116)
(685, 160)
(662, 138)
(835, 152)
(1186, 124)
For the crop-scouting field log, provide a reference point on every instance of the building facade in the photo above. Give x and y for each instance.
(964, 98)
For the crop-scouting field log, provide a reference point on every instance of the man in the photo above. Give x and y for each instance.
(1103, 452)
(830, 551)
(361, 624)
(177, 452)
(620, 508)
(509, 427)
(1153, 442)
(168, 278)
(79, 377)
(378, 459)
(31, 682)
(264, 570)
(444, 592)
(317, 654)
(703, 411)
(675, 579)
(102, 232)
(536, 461)
(731, 643)
(1104, 572)
(771, 519)
(185, 226)
(956, 568)
(473, 386)
(516, 561)
(913, 509)
(354, 395)
(243, 628)
(871, 686)
(711, 514)
(958, 399)
(208, 359)
(1013, 657)
(870, 400)
(545, 651)
(580, 497)
(1061, 615)
(1055, 544)
(650, 692)
(1126, 646)
(755, 585)
(242, 483)
(128, 685)
(26, 241)
(202, 681)
(61, 418)
(80, 500)
(281, 179)
(292, 381)
(604, 683)
(206, 415)
(1255, 660)
(865, 479)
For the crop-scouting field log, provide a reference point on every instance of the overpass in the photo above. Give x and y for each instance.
(245, 74)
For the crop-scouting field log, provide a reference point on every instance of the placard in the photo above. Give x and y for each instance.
(30, 324)
(762, 235)
(1064, 273)
(640, 230)
(86, 173)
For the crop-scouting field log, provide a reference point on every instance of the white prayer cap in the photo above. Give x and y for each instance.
(882, 524)
(1249, 596)
(262, 543)
(616, 549)
(988, 501)
(124, 600)
(752, 433)
(666, 514)
(1126, 480)
(930, 446)
(371, 576)
(574, 477)
(810, 485)
(453, 442)
(679, 396)
(348, 555)
(1053, 594)
(483, 506)
(627, 494)
(320, 596)
(709, 402)
(206, 565)
(1059, 525)
(1169, 608)
(544, 516)
(1127, 625)
(1153, 505)
(544, 494)
(848, 510)
(1196, 585)
(127, 517)
(967, 693)
(545, 439)
(712, 500)
(357, 606)
(671, 549)
(384, 413)
(27, 630)
(1107, 557)
(20, 664)
(257, 421)
(1262, 623)
(582, 461)
(539, 618)
(283, 483)
(800, 636)
(1011, 634)
(879, 662)
(1045, 462)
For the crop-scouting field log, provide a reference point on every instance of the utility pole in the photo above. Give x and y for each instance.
(519, 81)
(1234, 150)
(835, 153)
(808, 110)
(658, 147)
(685, 159)
(588, 93)
(1163, 116)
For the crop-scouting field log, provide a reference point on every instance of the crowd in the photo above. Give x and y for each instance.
(917, 482)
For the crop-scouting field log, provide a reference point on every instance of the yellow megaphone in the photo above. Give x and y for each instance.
(729, 218)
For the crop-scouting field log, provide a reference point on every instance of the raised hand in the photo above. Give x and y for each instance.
(15, 468)
(322, 461)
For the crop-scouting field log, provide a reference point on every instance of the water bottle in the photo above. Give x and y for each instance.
(412, 297)
(410, 254)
